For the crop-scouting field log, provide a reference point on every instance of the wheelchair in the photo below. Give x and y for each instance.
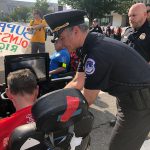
(62, 122)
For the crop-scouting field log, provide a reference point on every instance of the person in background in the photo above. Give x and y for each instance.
(22, 91)
(60, 60)
(38, 26)
(95, 26)
(138, 36)
(108, 31)
(148, 13)
(117, 33)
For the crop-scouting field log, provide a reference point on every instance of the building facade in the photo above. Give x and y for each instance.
(116, 19)
(8, 6)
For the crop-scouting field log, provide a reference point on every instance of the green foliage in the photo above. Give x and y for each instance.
(99, 8)
(94, 8)
(20, 14)
(123, 6)
(43, 6)
(5, 18)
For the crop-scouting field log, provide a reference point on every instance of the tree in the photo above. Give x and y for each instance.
(20, 13)
(123, 6)
(43, 6)
(94, 8)
(99, 8)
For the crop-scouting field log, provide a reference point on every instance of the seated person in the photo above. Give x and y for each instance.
(60, 60)
(22, 91)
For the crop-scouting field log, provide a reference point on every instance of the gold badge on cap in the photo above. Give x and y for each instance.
(142, 36)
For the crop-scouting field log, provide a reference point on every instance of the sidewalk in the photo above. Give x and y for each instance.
(104, 110)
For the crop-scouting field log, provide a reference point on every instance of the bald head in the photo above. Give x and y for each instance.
(137, 15)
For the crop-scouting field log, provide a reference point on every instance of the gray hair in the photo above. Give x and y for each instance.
(83, 27)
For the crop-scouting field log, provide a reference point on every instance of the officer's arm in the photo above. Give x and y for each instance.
(77, 82)
(90, 95)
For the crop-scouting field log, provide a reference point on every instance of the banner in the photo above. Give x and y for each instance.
(14, 39)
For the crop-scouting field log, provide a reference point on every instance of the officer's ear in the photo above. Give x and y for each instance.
(76, 29)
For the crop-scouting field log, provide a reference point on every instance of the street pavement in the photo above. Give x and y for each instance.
(104, 109)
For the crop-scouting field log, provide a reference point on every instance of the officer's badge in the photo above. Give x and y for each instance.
(142, 36)
(89, 66)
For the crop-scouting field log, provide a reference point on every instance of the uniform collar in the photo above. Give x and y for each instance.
(145, 25)
(88, 43)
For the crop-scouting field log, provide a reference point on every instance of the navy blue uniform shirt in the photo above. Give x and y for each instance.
(96, 29)
(112, 66)
(139, 40)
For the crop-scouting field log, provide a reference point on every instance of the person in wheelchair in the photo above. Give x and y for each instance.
(60, 60)
(22, 91)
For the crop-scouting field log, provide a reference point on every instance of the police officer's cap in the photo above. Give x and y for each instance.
(60, 20)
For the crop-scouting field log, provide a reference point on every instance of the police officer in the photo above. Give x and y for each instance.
(138, 36)
(148, 12)
(95, 26)
(113, 67)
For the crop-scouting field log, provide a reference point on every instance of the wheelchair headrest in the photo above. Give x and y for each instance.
(59, 109)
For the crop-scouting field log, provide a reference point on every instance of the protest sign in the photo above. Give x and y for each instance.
(14, 39)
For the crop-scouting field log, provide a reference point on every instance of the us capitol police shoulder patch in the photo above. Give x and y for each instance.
(89, 66)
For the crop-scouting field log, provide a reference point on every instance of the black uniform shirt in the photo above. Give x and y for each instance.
(139, 40)
(112, 66)
(96, 29)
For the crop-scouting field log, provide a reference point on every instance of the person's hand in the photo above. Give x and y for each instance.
(30, 30)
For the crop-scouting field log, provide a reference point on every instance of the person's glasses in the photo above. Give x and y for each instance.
(148, 11)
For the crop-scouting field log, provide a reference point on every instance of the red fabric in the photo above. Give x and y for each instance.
(72, 106)
(74, 61)
(7, 125)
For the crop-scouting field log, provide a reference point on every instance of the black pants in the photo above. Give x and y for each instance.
(36, 46)
(132, 127)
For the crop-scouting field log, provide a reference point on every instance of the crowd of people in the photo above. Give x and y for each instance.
(104, 60)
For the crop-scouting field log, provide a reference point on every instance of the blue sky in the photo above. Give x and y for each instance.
(53, 1)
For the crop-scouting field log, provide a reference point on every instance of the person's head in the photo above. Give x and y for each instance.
(95, 22)
(74, 37)
(37, 14)
(70, 27)
(22, 88)
(58, 44)
(148, 12)
(137, 15)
